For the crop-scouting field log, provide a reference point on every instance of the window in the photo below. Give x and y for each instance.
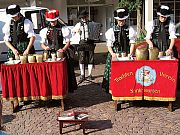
(38, 19)
(84, 2)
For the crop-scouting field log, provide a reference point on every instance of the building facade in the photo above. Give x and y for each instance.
(99, 10)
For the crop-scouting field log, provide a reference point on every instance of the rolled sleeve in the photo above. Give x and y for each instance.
(110, 37)
(132, 35)
(77, 27)
(43, 35)
(6, 31)
(109, 43)
(66, 33)
(172, 33)
(149, 29)
(7, 38)
(28, 28)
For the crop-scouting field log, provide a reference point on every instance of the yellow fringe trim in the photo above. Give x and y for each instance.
(159, 98)
(127, 98)
(34, 98)
(144, 98)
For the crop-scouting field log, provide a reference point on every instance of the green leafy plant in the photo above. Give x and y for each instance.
(141, 36)
(130, 5)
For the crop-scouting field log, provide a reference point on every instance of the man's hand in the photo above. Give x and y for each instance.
(114, 57)
(26, 52)
(15, 52)
(169, 52)
(47, 48)
(130, 57)
(150, 43)
(150, 46)
(61, 50)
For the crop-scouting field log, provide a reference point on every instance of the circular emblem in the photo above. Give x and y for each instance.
(145, 76)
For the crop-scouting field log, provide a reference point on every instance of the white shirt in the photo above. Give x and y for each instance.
(110, 38)
(28, 28)
(65, 31)
(150, 27)
(79, 28)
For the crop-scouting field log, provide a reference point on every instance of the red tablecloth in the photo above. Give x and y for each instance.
(144, 80)
(177, 45)
(35, 81)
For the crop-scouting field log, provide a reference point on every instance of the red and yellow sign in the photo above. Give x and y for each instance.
(144, 80)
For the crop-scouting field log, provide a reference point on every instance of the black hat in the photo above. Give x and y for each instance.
(121, 14)
(13, 10)
(163, 11)
(83, 13)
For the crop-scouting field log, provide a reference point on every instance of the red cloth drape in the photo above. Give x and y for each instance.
(34, 81)
(149, 80)
(177, 45)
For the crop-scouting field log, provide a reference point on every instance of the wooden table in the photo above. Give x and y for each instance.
(154, 80)
(34, 81)
(74, 121)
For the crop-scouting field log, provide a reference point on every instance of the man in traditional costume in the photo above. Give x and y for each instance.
(19, 34)
(52, 38)
(161, 31)
(86, 46)
(120, 38)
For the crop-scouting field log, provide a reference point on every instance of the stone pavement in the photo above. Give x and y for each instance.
(143, 118)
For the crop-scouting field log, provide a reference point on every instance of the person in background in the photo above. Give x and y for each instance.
(18, 32)
(86, 46)
(52, 38)
(161, 31)
(120, 38)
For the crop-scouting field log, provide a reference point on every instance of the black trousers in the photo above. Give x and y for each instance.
(86, 52)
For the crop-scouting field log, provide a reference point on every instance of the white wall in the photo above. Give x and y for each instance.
(61, 5)
(114, 2)
(32, 2)
(148, 11)
(101, 18)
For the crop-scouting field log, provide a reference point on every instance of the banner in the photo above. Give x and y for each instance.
(144, 80)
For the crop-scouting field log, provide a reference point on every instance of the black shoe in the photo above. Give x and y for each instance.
(81, 79)
(90, 77)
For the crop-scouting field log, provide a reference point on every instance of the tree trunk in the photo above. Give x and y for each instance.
(138, 22)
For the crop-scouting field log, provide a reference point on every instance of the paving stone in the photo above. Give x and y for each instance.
(37, 119)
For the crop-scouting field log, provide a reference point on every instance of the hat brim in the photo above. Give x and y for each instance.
(118, 18)
(13, 15)
(81, 16)
(51, 20)
(158, 13)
